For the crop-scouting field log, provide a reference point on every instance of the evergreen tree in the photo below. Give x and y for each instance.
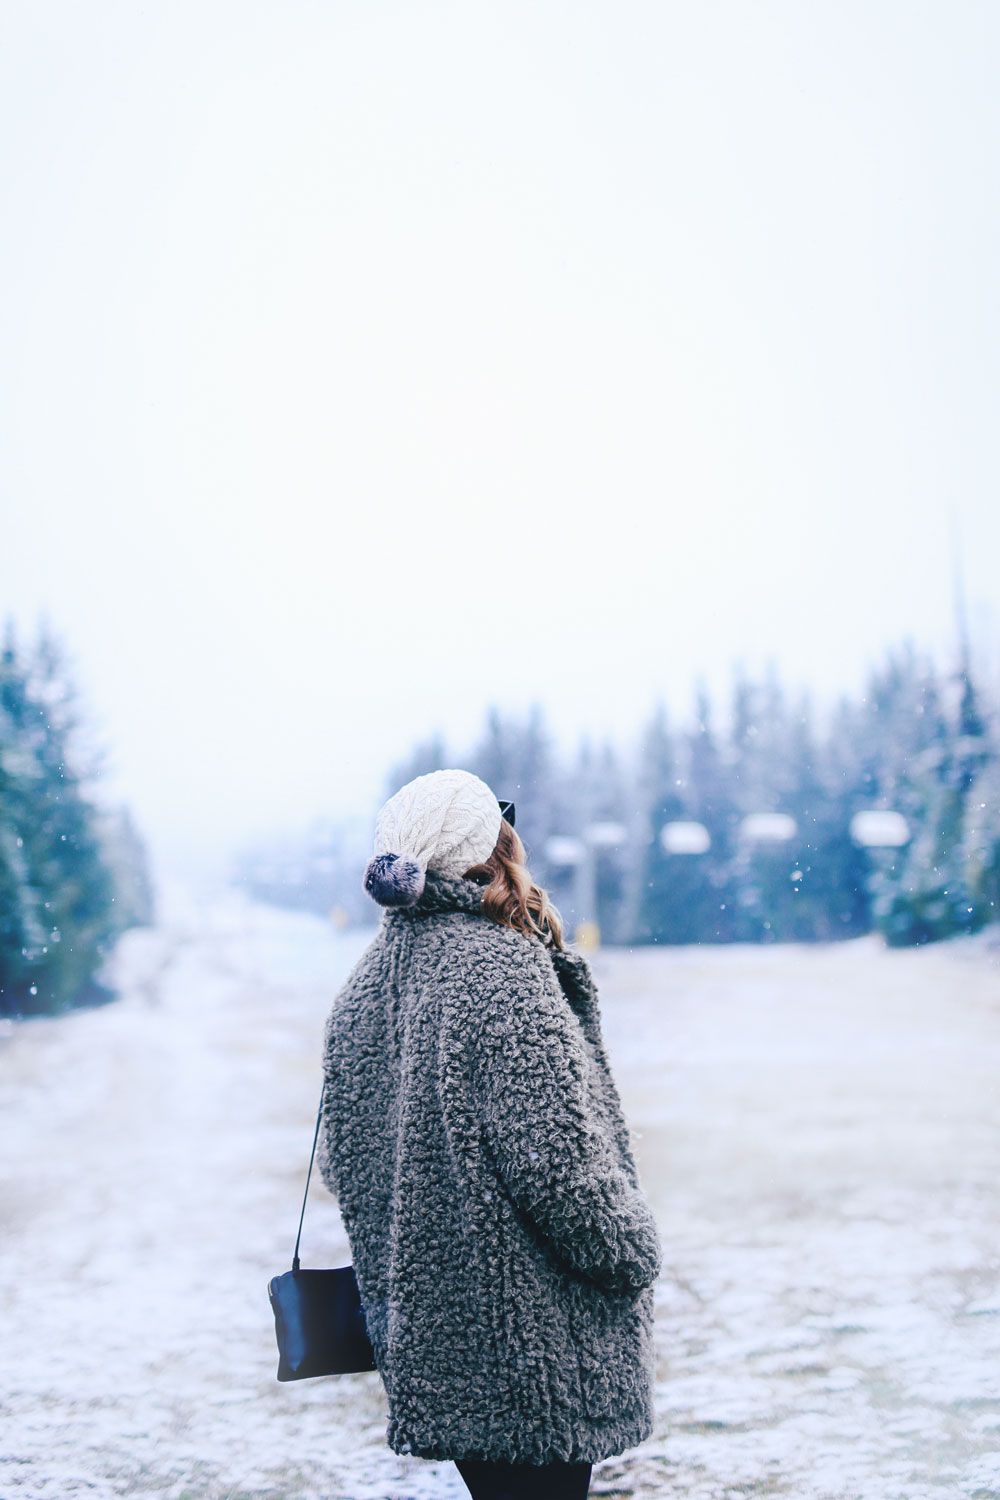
(921, 896)
(793, 875)
(981, 836)
(925, 893)
(674, 888)
(125, 855)
(711, 802)
(22, 913)
(768, 871)
(64, 844)
(516, 760)
(833, 871)
(899, 748)
(607, 803)
(59, 896)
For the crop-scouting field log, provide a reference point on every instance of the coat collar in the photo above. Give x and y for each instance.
(443, 893)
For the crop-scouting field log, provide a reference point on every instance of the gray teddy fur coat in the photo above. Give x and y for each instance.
(475, 1141)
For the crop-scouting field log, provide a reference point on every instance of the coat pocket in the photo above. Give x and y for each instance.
(603, 1342)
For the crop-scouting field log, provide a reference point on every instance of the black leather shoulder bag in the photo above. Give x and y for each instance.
(318, 1316)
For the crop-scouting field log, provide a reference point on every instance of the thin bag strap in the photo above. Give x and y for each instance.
(305, 1195)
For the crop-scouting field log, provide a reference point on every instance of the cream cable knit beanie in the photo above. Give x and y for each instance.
(445, 821)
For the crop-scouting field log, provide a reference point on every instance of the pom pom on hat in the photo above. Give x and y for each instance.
(394, 880)
(446, 821)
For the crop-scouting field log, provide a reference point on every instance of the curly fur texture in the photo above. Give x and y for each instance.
(394, 880)
(475, 1140)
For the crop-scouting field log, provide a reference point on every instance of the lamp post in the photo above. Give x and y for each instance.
(583, 854)
(882, 833)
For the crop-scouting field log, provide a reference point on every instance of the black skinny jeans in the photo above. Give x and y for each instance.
(500, 1481)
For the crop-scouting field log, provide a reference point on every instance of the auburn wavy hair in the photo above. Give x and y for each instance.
(511, 896)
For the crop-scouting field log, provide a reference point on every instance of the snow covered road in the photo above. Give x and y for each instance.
(818, 1130)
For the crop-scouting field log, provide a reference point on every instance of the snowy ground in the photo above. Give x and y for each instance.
(818, 1131)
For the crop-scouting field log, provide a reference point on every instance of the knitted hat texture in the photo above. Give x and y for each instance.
(445, 821)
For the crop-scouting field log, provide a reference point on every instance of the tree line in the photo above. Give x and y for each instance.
(761, 830)
(73, 875)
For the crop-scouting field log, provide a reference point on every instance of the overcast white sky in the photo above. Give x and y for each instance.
(364, 364)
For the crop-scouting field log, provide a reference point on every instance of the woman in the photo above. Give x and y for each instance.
(475, 1140)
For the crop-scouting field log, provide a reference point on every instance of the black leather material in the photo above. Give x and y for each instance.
(320, 1324)
(318, 1316)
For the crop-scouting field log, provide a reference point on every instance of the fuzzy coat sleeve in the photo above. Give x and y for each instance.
(548, 1107)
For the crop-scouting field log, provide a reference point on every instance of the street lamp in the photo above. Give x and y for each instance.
(606, 835)
(565, 851)
(879, 829)
(768, 828)
(602, 835)
(684, 837)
